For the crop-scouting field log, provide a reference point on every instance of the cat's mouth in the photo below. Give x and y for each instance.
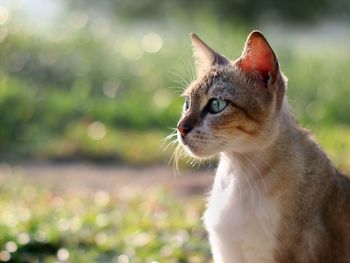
(192, 147)
(185, 142)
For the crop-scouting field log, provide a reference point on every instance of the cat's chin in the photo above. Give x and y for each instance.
(197, 153)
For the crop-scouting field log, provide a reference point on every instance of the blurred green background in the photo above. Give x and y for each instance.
(99, 81)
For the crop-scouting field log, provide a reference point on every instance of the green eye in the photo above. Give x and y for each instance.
(186, 104)
(216, 105)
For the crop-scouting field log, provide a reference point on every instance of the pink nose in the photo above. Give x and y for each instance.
(183, 129)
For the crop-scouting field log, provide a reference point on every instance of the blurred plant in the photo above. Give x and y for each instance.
(248, 11)
(87, 87)
(39, 226)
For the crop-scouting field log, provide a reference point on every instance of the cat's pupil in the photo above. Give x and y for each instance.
(217, 105)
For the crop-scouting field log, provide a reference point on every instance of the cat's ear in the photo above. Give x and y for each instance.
(258, 58)
(204, 56)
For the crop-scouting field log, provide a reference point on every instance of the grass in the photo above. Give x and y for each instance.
(40, 226)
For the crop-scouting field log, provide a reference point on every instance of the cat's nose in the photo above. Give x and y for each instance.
(183, 129)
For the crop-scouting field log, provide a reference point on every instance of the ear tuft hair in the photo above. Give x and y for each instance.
(205, 57)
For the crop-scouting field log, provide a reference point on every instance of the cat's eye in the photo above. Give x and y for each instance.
(217, 105)
(186, 104)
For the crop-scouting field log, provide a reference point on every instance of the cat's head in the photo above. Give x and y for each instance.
(232, 105)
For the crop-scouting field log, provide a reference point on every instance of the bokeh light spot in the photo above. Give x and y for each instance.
(102, 220)
(96, 131)
(11, 246)
(123, 259)
(23, 238)
(316, 111)
(142, 239)
(4, 15)
(131, 50)
(63, 224)
(24, 214)
(9, 219)
(102, 198)
(152, 43)
(110, 87)
(100, 27)
(78, 19)
(75, 224)
(5, 256)
(100, 238)
(162, 98)
(62, 254)
(40, 236)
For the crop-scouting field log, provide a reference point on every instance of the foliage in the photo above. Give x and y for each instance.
(85, 91)
(248, 11)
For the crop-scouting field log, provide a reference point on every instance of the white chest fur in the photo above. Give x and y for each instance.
(240, 218)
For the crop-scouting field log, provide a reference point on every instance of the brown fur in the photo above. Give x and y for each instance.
(312, 196)
(315, 207)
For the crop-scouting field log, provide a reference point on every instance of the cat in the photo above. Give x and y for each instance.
(276, 197)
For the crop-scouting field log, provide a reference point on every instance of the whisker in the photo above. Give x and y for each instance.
(177, 90)
(175, 160)
(172, 143)
(188, 72)
(171, 135)
(169, 140)
(184, 82)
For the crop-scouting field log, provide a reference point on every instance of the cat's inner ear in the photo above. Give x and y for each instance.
(258, 58)
(204, 56)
